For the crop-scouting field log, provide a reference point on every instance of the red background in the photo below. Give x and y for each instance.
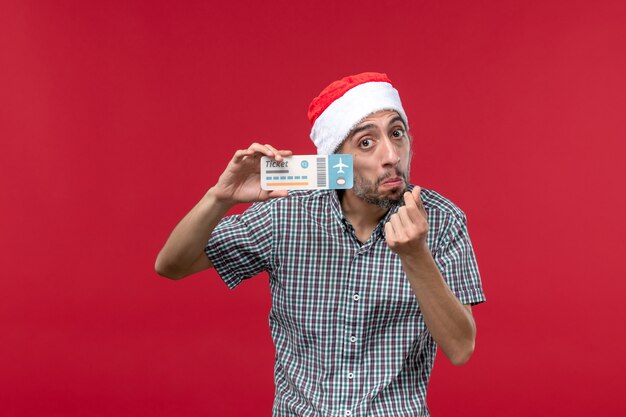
(116, 117)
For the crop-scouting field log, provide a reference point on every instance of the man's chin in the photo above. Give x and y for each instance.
(386, 200)
(383, 195)
(394, 192)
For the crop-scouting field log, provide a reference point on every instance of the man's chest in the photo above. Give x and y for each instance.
(332, 285)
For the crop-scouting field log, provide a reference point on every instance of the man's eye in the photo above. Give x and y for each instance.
(365, 143)
(398, 133)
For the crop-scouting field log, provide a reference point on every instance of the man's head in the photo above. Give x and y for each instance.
(381, 149)
(362, 115)
(345, 103)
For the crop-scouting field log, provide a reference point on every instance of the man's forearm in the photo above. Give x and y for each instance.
(449, 321)
(183, 253)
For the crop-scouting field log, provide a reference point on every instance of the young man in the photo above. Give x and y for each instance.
(365, 282)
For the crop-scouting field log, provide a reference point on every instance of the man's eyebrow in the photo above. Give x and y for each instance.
(356, 130)
(359, 129)
(397, 119)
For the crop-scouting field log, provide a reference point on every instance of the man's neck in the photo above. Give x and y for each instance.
(364, 217)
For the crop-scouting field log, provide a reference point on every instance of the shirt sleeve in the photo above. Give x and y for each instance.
(457, 263)
(240, 245)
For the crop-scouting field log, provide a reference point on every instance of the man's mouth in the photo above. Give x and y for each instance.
(393, 182)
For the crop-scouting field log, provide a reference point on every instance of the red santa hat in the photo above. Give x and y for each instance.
(345, 103)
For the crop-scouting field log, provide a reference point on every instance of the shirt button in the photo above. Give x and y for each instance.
(353, 339)
(350, 375)
(356, 297)
(348, 413)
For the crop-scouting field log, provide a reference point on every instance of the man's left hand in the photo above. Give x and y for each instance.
(406, 230)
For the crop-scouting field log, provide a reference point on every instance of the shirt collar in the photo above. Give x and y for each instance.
(335, 207)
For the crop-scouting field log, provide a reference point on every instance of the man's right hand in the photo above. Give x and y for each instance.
(241, 180)
(183, 253)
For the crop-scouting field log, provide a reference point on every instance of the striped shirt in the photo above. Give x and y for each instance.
(350, 338)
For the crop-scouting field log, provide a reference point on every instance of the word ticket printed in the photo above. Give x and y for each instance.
(307, 172)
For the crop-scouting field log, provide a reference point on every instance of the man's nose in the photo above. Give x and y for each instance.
(389, 152)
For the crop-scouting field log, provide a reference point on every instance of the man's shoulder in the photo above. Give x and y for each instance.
(435, 202)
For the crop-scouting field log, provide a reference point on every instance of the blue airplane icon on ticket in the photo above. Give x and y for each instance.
(341, 166)
(340, 171)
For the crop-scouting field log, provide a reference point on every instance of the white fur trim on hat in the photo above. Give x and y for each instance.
(342, 115)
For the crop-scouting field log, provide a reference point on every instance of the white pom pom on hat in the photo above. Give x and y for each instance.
(345, 103)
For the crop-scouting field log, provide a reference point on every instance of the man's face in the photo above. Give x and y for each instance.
(381, 149)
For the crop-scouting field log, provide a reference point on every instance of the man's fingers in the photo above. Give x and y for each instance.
(412, 213)
(417, 196)
(399, 228)
(258, 150)
(406, 215)
(412, 207)
(268, 194)
(278, 193)
(390, 234)
(277, 156)
(241, 153)
(409, 200)
(261, 150)
(416, 192)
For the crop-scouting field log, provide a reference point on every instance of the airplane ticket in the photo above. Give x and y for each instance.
(307, 172)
